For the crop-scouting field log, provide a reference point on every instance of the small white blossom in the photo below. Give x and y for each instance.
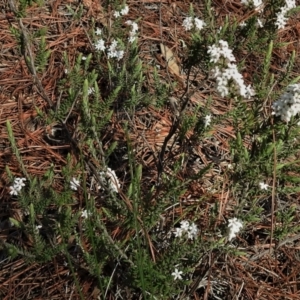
(19, 182)
(98, 31)
(134, 29)
(187, 229)
(178, 232)
(281, 15)
(100, 45)
(125, 10)
(177, 274)
(184, 225)
(38, 227)
(290, 4)
(288, 105)
(74, 183)
(13, 191)
(85, 214)
(207, 120)
(91, 90)
(17, 185)
(66, 71)
(111, 179)
(228, 79)
(242, 24)
(281, 19)
(188, 23)
(220, 51)
(263, 186)
(192, 231)
(234, 226)
(83, 57)
(113, 52)
(199, 24)
(117, 14)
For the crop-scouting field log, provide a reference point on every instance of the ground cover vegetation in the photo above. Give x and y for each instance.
(149, 150)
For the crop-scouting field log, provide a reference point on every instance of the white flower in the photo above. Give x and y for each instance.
(184, 225)
(207, 120)
(14, 190)
(98, 31)
(178, 232)
(281, 19)
(113, 52)
(177, 274)
(18, 183)
(119, 54)
(188, 23)
(288, 105)
(37, 227)
(234, 226)
(113, 45)
(199, 24)
(228, 79)
(91, 90)
(85, 214)
(290, 4)
(117, 14)
(125, 10)
(66, 71)
(134, 29)
(192, 231)
(74, 183)
(111, 179)
(100, 45)
(263, 186)
(220, 51)
(83, 58)
(242, 24)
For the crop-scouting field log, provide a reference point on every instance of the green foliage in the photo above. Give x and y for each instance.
(42, 55)
(126, 239)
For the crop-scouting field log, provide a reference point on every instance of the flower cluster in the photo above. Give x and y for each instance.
(122, 12)
(17, 186)
(220, 52)
(185, 227)
(234, 226)
(74, 184)
(190, 22)
(134, 29)
(110, 178)
(288, 105)
(281, 15)
(113, 51)
(227, 76)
